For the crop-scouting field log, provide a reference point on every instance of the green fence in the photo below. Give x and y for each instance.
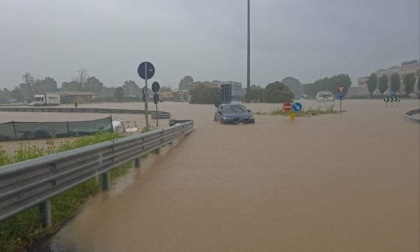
(11, 131)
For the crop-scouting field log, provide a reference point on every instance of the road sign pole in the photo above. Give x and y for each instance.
(145, 100)
(341, 106)
(157, 116)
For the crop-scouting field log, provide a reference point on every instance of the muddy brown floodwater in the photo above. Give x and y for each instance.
(345, 182)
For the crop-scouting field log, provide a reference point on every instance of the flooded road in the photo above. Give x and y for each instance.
(345, 182)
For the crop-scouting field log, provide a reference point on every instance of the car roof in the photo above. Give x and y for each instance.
(230, 105)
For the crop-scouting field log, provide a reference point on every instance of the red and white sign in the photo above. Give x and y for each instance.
(287, 106)
(340, 89)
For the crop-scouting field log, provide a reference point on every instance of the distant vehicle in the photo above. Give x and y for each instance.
(124, 126)
(46, 99)
(233, 114)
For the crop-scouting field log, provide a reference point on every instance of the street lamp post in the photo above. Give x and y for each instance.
(248, 74)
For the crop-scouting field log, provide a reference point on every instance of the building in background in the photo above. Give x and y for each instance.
(362, 89)
(352, 92)
(407, 67)
(76, 96)
(166, 94)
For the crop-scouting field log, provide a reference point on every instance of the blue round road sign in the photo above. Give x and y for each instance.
(340, 97)
(297, 106)
(146, 70)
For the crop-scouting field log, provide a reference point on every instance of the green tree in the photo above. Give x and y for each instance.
(372, 83)
(93, 85)
(18, 95)
(183, 84)
(203, 94)
(418, 79)
(278, 92)
(131, 89)
(294, 85)
(328, 84)
(71, 86)
(5, 95)
(257, 93)
(107, 93)
(29, 86)
(395, 82)
(48, 84)
(119, 94)
(383, 84)
(409, 81)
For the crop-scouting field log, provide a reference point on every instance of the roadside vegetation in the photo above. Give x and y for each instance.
(329, 109)
(24, 230)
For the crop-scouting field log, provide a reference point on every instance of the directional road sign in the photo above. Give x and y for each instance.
(392, 99)
(287, 106)
(146, 70)
(297, 106)
(340, 97)
(155, 87)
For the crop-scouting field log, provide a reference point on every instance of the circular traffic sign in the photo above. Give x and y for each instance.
(297, 106)
(146, 70)
(156, 98)
(340, 97)
(287, 106)
(155, 87)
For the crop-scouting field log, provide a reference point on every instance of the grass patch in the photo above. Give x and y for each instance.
(329, 109)
(24, 229)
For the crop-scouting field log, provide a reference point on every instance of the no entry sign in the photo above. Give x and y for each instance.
(287, 106)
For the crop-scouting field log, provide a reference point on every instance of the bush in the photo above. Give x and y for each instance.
(202, 94)
(278, 92)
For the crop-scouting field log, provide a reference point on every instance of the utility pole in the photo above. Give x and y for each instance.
(248, 74)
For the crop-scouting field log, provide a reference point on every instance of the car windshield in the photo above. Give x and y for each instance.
(234, 109)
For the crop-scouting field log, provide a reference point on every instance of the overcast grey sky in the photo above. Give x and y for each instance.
(204, 39)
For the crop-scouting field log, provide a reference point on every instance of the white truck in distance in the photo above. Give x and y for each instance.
(46, 99)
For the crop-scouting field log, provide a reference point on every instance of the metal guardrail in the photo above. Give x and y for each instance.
(409, 115)
(35, 182)
(161, 114)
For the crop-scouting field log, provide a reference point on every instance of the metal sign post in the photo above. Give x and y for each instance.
(145, 100)
(157, 117)
(341, 98)
(146, 71)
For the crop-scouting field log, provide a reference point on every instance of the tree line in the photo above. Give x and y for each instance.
(276, 92)
(395, 82)
(328, 84)
(82, 82)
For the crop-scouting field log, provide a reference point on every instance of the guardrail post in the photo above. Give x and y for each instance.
(45, 212)
(105, 181)
(137, 163)
(14, 129)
